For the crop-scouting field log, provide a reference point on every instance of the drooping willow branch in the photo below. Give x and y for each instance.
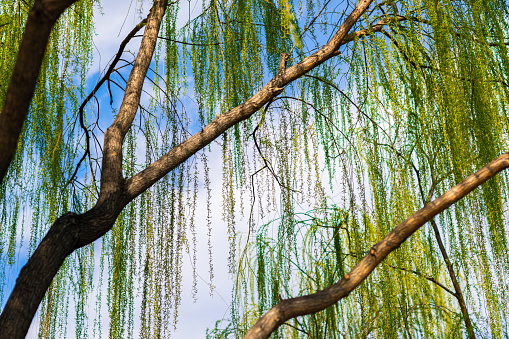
(312, 303)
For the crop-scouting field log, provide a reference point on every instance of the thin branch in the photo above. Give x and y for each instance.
(111, 174)
(192, 43)
(268, 164)
(373, 29)
(427, 277)
(92, 94)
(458, 293)
(416, 65)
(403, 53)
(457, 288)
(298, 329)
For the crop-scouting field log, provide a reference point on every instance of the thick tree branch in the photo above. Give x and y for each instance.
(92, 94)
(41, 18)
(36, 276)
(143, 180)
(111, 174)
(54, 8)
(318, 301)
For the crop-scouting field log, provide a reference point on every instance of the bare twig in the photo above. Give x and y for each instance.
(427, 277)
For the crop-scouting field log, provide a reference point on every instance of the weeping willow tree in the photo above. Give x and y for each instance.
(384, 106)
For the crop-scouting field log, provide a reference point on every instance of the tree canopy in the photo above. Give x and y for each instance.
(363, 112)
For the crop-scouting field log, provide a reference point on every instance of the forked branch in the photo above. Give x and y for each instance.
(291, 308)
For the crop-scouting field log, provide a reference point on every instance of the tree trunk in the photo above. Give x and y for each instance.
(36, 276)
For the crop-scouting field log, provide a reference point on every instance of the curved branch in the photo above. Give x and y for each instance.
(291, 308)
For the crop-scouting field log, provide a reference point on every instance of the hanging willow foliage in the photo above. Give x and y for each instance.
(417, 101)
(422, 105)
